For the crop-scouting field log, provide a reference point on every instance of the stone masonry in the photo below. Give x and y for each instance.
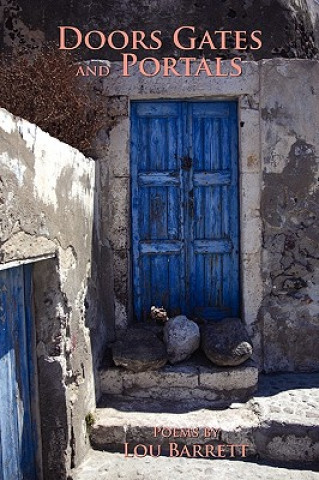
(279, 141)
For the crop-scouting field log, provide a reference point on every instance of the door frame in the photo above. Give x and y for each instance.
(115, 183)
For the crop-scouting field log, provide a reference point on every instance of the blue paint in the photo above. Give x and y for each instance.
(185, 212)
(17, 432)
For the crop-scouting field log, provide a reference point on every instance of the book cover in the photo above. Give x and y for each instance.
(159, 240)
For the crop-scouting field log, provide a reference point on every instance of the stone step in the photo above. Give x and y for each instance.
(279, 424)
(196, 380)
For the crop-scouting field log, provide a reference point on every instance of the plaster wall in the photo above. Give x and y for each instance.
(46, 217)
(289, 113)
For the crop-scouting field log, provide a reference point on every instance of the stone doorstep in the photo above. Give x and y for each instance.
(280, 424)
(131, 422)
(196, 380)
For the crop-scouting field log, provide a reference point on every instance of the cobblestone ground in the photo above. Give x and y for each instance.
(289, 397)
(114, 466)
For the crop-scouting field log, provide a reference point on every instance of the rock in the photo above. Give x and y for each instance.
(139, 351)
(181, 337)
(150, 327)
(226, 342)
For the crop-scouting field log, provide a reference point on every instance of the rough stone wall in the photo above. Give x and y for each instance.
(113, 183)
(290, 212)
(46, 212)
(290, 27)
(278, 105)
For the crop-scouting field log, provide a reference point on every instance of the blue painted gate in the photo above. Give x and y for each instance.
(185, 228)
(17, 429)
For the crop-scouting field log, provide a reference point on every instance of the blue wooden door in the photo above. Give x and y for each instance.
(185, 229)
(17, 428)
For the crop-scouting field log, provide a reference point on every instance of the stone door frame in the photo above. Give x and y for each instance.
(114, 174)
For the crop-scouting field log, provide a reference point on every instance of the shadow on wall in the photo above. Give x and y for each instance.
(51, 322)
(99, 301)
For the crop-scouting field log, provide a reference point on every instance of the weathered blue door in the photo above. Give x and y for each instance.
(17, 429)
(185, 229)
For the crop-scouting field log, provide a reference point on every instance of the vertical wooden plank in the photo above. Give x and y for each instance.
(198, 135)
(8, 391)
(144, 223)
(158, 143)
(182, 213)
(224, 143)
(160, 280)
(158, 212)
(210, 281)
(199, 165)
(199, 286)
(189, 207)
(29, 440)
(207, 143)
(173, 214)
(143, 141)
(216, 144)
(175, 277)
(173, 193)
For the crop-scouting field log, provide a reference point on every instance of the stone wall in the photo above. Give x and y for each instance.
(290, 210)
(46, 216)
(290, 27)
(278, 114)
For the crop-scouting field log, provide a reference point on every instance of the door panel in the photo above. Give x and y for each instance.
(17, 432)
(214, 223)
(185, 208)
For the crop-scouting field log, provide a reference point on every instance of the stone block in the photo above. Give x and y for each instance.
(231, 378)
(118, 155)
(165, 378)
(249, 144)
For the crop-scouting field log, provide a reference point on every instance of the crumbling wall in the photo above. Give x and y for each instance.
(290, 210)
(46, 216)
(278, 118)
